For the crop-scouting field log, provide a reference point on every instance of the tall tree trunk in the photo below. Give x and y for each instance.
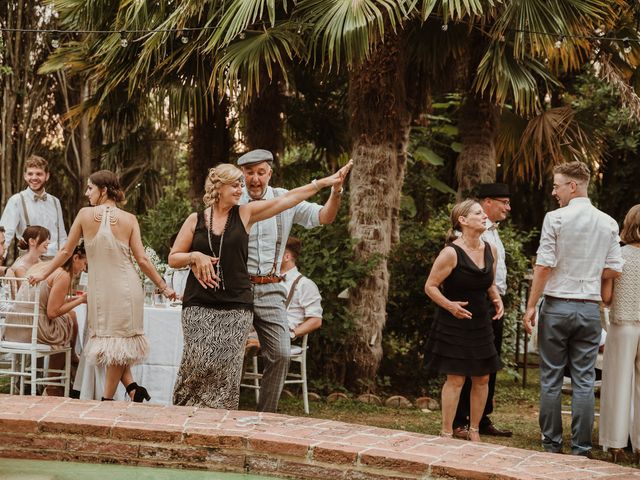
(210, 144)
(478, 132)
(380, 130)
(263, 123)
(478, 124)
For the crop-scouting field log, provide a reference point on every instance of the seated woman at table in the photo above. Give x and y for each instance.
(218, 299)
(57, 324)
(115, 297)
(35, 239)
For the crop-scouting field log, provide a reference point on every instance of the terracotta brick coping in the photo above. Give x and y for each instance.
(262, 443)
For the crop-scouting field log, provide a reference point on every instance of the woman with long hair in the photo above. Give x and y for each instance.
(620, 393)
(218, 298)
(115, 303)
(57, 325)
(462, 283)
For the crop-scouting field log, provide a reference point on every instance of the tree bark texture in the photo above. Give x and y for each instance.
(210, 143)
(263, 118)
(22, 92)
(478, 125)
(379, 125)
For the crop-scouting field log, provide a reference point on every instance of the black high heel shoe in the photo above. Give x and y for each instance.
(140, 392)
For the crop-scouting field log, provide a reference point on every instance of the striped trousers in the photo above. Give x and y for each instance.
(270, 322)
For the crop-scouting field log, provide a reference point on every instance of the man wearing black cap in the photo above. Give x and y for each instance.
(267, 241)
(495, 201)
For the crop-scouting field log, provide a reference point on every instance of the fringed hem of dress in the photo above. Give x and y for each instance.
(117, 350)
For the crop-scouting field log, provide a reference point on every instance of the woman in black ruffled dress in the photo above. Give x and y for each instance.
(461, 283)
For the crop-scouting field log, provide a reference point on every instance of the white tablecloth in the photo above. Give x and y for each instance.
(158, 371)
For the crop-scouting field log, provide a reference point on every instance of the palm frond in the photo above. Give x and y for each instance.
(530, 149)
(530, 21)
(347, 31)
(245, 61)
(505, 78)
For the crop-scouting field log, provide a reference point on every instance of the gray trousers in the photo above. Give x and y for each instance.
(568, 335)
(270, 322)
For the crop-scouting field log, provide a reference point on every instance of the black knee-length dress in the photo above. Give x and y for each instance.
(461, 346)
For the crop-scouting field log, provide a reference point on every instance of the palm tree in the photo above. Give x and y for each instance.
(499, 60)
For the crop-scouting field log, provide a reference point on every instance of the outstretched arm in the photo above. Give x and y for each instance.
(330, 209)
(65, 252)
(255, 211)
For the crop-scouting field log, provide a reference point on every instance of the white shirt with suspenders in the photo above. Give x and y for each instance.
(25, 209)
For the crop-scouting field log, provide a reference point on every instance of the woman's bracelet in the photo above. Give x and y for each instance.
(314, 182)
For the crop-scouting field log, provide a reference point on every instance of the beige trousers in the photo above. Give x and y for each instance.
(620, 394)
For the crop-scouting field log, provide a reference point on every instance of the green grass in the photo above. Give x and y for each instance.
(516, 409)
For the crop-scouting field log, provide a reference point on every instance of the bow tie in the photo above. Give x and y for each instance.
(42, 197)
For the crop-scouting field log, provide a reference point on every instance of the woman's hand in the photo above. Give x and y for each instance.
(83, 297)
(35, 279)
(498, 305)
(459, 312)
(203, 269)
(170, 293)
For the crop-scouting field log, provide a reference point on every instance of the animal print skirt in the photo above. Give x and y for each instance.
(211, 367)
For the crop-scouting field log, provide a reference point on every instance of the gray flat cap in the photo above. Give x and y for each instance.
(255, 156)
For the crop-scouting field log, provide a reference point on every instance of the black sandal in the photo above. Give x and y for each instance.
(140, 392)
(107, 399)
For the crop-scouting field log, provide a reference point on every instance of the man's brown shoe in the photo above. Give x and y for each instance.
(491, 429)
(461, 433)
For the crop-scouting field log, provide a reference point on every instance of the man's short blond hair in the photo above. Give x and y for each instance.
(34, 161)
(578, 171)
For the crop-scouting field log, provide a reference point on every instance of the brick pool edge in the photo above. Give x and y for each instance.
(50, 428)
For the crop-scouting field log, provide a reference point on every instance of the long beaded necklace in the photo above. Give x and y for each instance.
(218, 265)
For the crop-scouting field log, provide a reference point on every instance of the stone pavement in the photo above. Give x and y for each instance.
(297, 447)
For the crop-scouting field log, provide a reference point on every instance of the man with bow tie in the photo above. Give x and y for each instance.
(495, 201)
(34, 206)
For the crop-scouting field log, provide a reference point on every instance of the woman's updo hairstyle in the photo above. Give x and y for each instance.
(109, 180)
(80, 251)
(36, 232)
(460, 209)
(223, 174)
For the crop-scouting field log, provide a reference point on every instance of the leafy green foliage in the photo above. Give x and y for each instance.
(328, 259)
(159, 223)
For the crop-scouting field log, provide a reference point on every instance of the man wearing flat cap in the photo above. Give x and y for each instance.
(495, 201)
(267, 241)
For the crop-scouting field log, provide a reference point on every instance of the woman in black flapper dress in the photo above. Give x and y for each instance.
(460, 345)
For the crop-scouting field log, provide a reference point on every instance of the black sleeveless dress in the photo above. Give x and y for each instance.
(460, 346)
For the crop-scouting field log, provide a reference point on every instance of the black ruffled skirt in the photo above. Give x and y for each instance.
(462, 346)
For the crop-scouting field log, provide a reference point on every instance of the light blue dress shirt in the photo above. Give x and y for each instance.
(263, 235)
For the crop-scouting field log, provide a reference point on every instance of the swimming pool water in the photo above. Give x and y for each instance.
(11, 469)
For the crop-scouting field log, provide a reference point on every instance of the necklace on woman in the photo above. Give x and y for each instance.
(469, 246)
(112, 211)
(218, 266)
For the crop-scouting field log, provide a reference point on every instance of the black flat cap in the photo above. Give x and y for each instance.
(488, 190)
(255, 156)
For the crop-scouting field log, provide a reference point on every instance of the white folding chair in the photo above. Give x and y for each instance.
(252, 376)
(23, 366)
